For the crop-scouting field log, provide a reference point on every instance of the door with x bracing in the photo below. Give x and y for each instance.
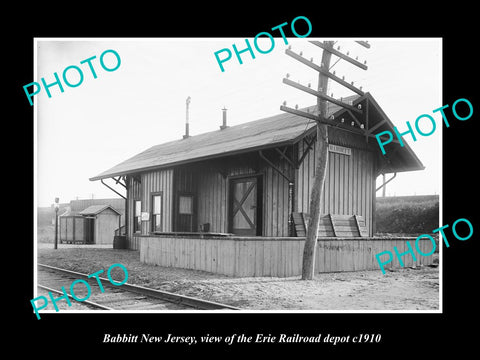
(245, 206)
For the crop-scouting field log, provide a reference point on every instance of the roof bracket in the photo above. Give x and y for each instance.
(115, 191)
(274, 167)
(283, 155)
(224, 173)
(305, 150)
(117, 181)
(386, 182)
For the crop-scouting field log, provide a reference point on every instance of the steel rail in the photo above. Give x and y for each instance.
(158, 294)
(91, 303)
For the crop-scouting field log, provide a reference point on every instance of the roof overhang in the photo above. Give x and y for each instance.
(97, 209)
(276, 131)
(397, 158)
(196, 159)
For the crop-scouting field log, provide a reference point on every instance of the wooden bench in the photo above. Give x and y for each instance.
(332, 225)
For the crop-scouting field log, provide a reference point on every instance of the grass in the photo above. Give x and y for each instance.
(46, 234)
(411, 215)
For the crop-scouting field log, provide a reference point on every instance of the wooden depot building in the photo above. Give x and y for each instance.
(234, 201)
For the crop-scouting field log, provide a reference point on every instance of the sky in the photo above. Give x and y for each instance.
(105, 120)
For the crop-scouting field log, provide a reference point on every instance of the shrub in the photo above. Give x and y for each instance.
(407, 215)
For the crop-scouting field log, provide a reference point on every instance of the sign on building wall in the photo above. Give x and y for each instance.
(339, 149)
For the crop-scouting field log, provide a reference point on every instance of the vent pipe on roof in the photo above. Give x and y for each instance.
(224, 124)
(187, 134)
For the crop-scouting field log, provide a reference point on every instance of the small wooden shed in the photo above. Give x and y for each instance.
(74, 229)
(105, 219)
(94, 225)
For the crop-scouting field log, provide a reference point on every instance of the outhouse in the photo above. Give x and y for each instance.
(102, 222)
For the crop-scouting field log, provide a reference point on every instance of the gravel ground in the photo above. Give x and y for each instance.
(403, 289)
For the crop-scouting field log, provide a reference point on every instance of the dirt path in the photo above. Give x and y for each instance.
(404, 289)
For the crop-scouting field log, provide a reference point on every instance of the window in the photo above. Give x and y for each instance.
(185, 218)
(185, 205)
(157, 212)
(137, 219)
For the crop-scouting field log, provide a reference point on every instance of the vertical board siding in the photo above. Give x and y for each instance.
(347, 190)
(279, 257)
(71, 228)
(275, 199)
(79, 228)
(209, 183)
(105, 224)
(212, 200)
(134, 194)
(151, 182)
(211, 189)
(348, 183)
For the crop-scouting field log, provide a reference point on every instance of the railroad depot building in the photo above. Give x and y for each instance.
(235, 201)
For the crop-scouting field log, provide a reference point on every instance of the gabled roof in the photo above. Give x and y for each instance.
(78, 205)
(96, 209)
(274, 131)
(397, 158)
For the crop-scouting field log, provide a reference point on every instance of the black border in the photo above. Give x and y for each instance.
(411, 334)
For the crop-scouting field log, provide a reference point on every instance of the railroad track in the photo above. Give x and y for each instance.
(123, 297)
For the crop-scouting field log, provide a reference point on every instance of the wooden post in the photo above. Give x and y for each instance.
(291, 206)
(308, 266)
(56, 228)
(384, 190)
(127, 183)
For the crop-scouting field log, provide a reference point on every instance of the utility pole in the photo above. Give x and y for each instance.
(308, 266)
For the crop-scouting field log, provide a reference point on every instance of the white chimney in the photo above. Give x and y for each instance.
(187, 133)
(224, 124)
